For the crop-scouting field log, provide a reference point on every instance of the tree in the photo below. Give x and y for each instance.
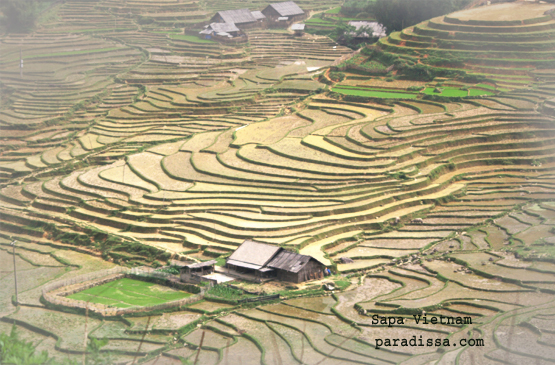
(94, 356)
(343, 33)
(398, 14)
(19, 15)
(14, 351)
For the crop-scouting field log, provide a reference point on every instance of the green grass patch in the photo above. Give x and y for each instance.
(344, 19)
(476, 92)
(191, 38)
(334, 10)
(318, 21)
(173, 31)
(220, 261)
(374, 93)
(342, 284)
(486, 86)
(450, 92)
(70, 53)
(125, 293)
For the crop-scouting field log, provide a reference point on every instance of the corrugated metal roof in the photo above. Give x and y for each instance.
(237, 16)
(297, 27)
(287, 8)
(258, 15)
(202, 264)
(289, 261)
(243, 264)
(254, 253)
(223, 27)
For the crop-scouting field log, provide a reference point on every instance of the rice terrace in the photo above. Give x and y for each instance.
(128, 292)
(246, 182)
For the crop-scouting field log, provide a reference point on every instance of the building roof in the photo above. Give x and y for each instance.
(289, 261)
(223, 27)
(201, 264)
(239, 16)
(258, 15)
(287, 8)
(378, 30)
(253, 255)
(297, 27)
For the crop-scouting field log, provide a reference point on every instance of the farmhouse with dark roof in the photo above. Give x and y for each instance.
(266, 261)
(287, 9)
(242, 18)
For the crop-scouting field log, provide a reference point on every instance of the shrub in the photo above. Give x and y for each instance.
(144, 20)
(226, 292)
(337, 76)
(174, 270)
(16, 351)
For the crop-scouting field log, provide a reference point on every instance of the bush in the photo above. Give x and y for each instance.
(16, 351)
(145, 20)
(398, 14)
(174, 270)
(226, 292)
(337, 76)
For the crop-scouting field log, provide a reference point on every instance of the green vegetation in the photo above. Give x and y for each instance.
(21, 15)
(190, 38)
(374, 93)
(399, 14)
(449, 92)
(174, 270)
(226, 292)
(334, 11)
(16, 351)
(337, 76)
(124, 293)
(357, 7)
(477, 92)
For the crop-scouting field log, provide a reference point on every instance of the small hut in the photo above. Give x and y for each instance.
(193, 273)
(298, 29)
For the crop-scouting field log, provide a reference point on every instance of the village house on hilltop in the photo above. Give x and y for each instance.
(266, 261)
(242, 18)
(288, 9)
(236, 21)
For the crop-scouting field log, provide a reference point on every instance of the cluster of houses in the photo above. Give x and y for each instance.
(367, 30)
(258, 262)
(231, 24)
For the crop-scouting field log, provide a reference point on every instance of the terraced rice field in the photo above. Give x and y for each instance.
(125, 142)
(125, 293)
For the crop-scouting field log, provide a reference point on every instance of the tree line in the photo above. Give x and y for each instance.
(398, 14)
